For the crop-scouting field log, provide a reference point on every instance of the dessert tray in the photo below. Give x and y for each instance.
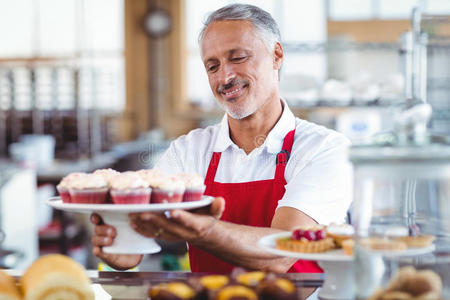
(127, 240)
(336, 265)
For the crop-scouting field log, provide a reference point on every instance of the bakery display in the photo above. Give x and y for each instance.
(307, 240)
(8, 287)
(56, 276)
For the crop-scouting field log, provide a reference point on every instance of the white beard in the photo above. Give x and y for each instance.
(240, 112)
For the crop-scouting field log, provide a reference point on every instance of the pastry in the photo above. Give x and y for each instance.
(168, 189)
(172, 291)
(8, 288)
(381, 244)
(89, 188)
(206, 286)
(251, 279)
(419, 241)
(194, 186)
(411, 284)
(129, 188)
(340, 232)
(236, 292)
(56, 276)
(108, 174)
(272, 287)
(307, 241)
(165, 188)
(348, 246)
(64, 185)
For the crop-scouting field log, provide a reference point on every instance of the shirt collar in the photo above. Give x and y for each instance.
(285, 124)
(274, 140)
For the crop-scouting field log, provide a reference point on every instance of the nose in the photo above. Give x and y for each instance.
(226, 73)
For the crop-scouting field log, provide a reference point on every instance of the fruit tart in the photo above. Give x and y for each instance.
(310, 240)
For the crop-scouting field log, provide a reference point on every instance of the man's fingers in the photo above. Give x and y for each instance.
(101, 241)
(96, 219)
(105, 230)
(217, 207)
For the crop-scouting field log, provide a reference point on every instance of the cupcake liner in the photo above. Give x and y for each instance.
(131, 196)
(64, 194)
(166, 195)
(193, 193)
(89, 196)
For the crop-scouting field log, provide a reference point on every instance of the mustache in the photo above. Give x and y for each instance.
(232, 83)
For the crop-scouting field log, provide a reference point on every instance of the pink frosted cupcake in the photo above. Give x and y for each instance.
(89, 188)
(108, 175)
(194, 186)
(64, 185)
(129, 188)
(167, 189)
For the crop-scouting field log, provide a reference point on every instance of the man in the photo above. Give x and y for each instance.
(274, 172)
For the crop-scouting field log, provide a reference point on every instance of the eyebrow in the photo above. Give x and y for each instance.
(230, 53)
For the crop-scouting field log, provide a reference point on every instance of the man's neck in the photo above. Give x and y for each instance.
(251, 132)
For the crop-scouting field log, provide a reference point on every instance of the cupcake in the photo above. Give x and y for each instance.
(88, 188)
(108, 175)
(129, 188)
(194, 186)
(64, 185)
(165, 188)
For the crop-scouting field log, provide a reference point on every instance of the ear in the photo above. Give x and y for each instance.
(278, 56)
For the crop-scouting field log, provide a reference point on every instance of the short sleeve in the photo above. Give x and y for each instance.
(322, 187)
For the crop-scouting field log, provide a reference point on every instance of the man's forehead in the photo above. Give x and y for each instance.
(228, 36)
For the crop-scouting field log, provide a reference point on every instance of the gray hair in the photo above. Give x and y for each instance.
(264, 24)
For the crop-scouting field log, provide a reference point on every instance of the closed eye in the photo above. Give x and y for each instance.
(238, 59)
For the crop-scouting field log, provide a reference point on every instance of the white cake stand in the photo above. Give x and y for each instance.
(127, 240)
(337, 266)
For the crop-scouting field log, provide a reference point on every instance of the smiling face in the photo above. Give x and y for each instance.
(242, 72)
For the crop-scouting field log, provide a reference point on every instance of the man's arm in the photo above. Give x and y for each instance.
(236, 244)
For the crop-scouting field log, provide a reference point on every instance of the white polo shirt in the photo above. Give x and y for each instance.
(318, 174)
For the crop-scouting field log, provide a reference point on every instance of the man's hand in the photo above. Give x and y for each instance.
(104, 236)
(179, 225)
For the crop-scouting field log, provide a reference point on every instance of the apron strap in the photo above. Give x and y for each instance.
(283, 155)
(212, 168)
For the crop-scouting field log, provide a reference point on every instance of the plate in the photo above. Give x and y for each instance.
(57, 203)
(268, 243)
(127, 241)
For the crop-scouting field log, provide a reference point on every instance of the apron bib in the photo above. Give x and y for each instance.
(248, 203)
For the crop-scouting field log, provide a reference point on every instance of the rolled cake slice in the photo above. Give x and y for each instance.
(8, 288)
(56, 276)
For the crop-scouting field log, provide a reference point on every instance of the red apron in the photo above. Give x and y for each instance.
(249, 203)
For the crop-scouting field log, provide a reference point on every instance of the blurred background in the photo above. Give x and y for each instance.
(108, 83)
